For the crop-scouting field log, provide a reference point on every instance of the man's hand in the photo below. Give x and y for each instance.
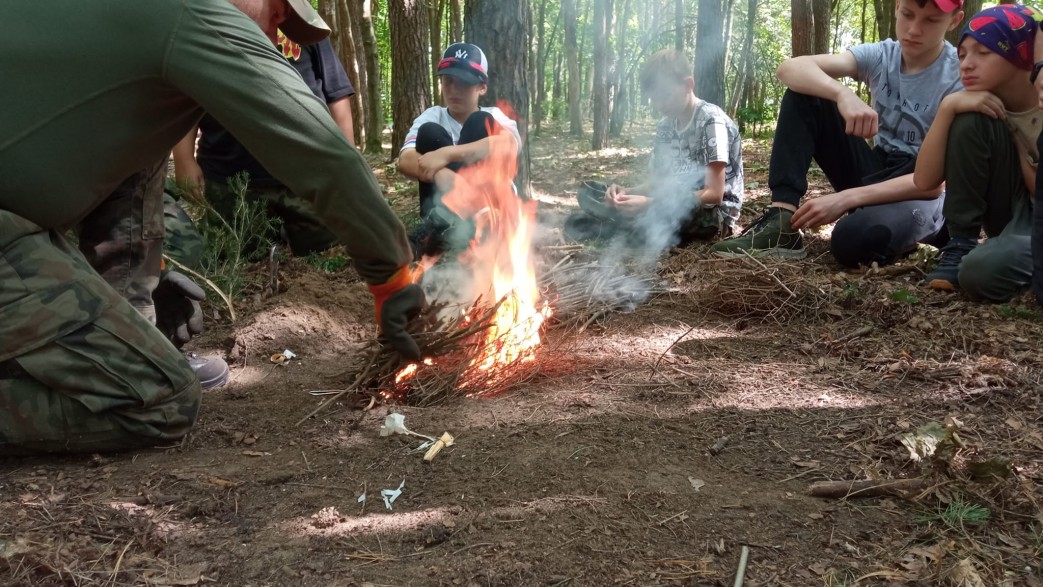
(396, 302)
(189, 177)
(178, 315)
(613, 191)
(820, 210)
(860, 118)
(433, 162)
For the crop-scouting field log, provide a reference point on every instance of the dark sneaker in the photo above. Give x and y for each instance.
(771, 235)
(212, 372)
(946, 274)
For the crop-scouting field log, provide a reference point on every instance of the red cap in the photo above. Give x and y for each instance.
(948, 5)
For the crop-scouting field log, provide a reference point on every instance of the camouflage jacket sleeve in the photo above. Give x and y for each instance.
(225, 63)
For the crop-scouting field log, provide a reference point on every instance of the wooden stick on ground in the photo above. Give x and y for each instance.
(740, 574)
(865, 488)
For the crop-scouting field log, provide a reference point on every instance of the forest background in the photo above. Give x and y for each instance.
(578, 60)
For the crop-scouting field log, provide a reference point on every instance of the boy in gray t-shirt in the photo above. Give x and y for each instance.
(821, 119)
(695, 186)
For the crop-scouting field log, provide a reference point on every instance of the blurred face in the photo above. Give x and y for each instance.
(922, 30)
(669, 97)
(460, 98)
(268, 14)
(982, 69)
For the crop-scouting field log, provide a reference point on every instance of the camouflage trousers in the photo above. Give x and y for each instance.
(81, 370)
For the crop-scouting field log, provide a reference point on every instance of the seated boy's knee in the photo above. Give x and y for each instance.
(854, 244)
(981, 279)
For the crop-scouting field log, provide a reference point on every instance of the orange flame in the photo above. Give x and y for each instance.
(500, 254)
(499, 257)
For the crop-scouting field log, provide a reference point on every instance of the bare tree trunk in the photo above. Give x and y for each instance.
(349, 59)
(351, 12)
(822, 11)
(745, 71)
(619, 102)
(729, 10)
(802, 36)
(364, 9)
(456, 21)
(709, 52)
(434, 18)
(541, 74)
(568, 16)
(502, 28)
(599, 92)
(679, 23)
(885, 18)
(410, 82)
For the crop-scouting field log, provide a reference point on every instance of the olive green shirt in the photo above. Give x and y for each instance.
(96, 90)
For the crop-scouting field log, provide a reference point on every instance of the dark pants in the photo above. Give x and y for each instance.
(432, 137)
(1037, 232)
(811, 128)
(986, 190)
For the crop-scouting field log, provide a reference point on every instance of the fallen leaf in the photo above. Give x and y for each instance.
(1015, 423)
(225, 483)
(964, 575)
(697, 484)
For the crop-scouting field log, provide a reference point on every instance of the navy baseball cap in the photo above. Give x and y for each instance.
(465, 62)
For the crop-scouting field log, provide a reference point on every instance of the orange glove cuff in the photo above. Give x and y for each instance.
(401, 278)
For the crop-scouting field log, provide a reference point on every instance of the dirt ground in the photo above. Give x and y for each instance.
(648, 450)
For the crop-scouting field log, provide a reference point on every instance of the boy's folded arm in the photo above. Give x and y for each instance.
(818, 75)
(409, 163)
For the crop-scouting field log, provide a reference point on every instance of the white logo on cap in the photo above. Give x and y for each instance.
(461, 54)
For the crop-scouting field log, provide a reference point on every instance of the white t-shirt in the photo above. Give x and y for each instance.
(906, 104)
(440, 116)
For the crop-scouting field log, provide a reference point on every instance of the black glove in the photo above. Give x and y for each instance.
(397, 302)
(178, 315)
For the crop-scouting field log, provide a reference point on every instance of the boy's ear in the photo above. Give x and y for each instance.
(482, 90)
(957, 18)
(689, 83)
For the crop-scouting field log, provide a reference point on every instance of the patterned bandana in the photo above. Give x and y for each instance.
(1007, 29)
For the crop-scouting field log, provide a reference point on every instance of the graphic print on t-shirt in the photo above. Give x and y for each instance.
(288, 48)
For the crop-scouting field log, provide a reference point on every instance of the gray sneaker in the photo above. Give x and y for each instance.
(212, 372)
(771, 235)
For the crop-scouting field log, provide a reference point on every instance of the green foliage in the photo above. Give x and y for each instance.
(1019, 312)
(753, 116)
(958, 515)
(233, 242)
(905, 296)
(327, 263)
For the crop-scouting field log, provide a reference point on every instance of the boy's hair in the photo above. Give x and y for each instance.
(668, 64)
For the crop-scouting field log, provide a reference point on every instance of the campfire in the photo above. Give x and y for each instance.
(485, 346)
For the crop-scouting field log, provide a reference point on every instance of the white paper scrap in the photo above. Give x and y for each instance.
(390, 495)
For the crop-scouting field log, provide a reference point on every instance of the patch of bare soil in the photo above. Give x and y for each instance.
(648, 450)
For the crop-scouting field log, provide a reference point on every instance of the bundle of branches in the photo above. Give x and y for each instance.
(452, 340)
(748, 288)
(584, 291)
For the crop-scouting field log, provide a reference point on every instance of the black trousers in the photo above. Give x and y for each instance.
(431, 137)
(811, 129)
